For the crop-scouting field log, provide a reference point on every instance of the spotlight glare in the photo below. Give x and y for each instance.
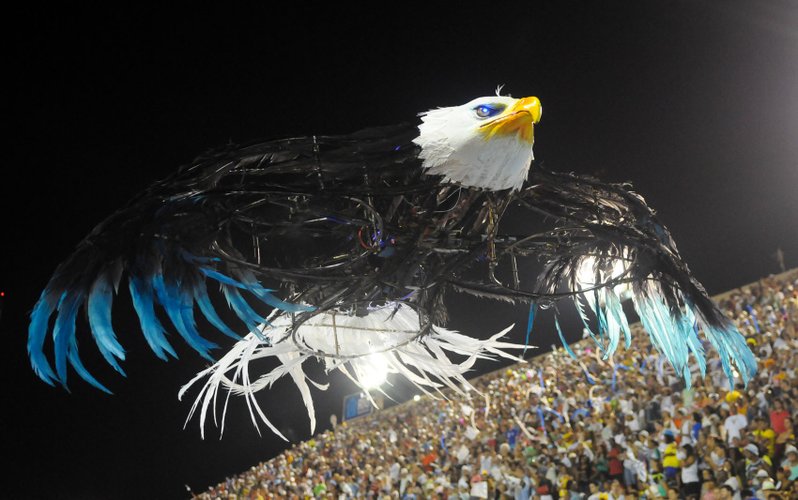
(586, 276)
(372, 371)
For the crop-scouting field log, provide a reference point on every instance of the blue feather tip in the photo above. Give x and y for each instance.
(675, 334)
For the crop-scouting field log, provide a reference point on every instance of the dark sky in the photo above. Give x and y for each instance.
(694, 102)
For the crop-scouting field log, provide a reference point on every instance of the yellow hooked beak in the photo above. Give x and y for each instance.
(520, 119)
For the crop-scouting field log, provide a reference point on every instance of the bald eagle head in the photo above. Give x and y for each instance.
(486, 143)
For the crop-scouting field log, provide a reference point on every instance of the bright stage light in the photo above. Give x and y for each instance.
(372, 370)
(586, 275)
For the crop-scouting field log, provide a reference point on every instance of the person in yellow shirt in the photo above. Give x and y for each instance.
(670, 462)
(765, 436)
(737, 402)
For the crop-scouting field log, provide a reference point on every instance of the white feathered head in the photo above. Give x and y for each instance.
(486, 143)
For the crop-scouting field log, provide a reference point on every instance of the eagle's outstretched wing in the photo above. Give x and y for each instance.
(606, 244)
(234, 218)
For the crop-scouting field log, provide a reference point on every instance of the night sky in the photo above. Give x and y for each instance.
(695, 103)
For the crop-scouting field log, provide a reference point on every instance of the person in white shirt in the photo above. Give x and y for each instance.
(733, 424)
(632, 422)
(687, 426)
(595, 494)
(691, 483)
(666, 404)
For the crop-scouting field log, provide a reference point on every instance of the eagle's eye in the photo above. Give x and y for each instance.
(488, 110)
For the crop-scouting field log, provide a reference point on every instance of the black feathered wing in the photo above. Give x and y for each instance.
(233, 219)
(606, 237)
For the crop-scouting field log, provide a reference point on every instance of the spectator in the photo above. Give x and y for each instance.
(790, 463)
(690, 480)
(734, 423)
(708, 485)
(670, 460)
(764, 435)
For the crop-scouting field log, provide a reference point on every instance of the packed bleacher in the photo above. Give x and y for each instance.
(574, 428)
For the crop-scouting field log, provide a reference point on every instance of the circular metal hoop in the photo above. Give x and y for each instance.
(425, 325)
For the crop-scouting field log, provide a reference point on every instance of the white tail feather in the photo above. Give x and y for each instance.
(347, 343)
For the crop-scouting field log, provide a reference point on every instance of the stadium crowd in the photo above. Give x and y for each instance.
(566, 428)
